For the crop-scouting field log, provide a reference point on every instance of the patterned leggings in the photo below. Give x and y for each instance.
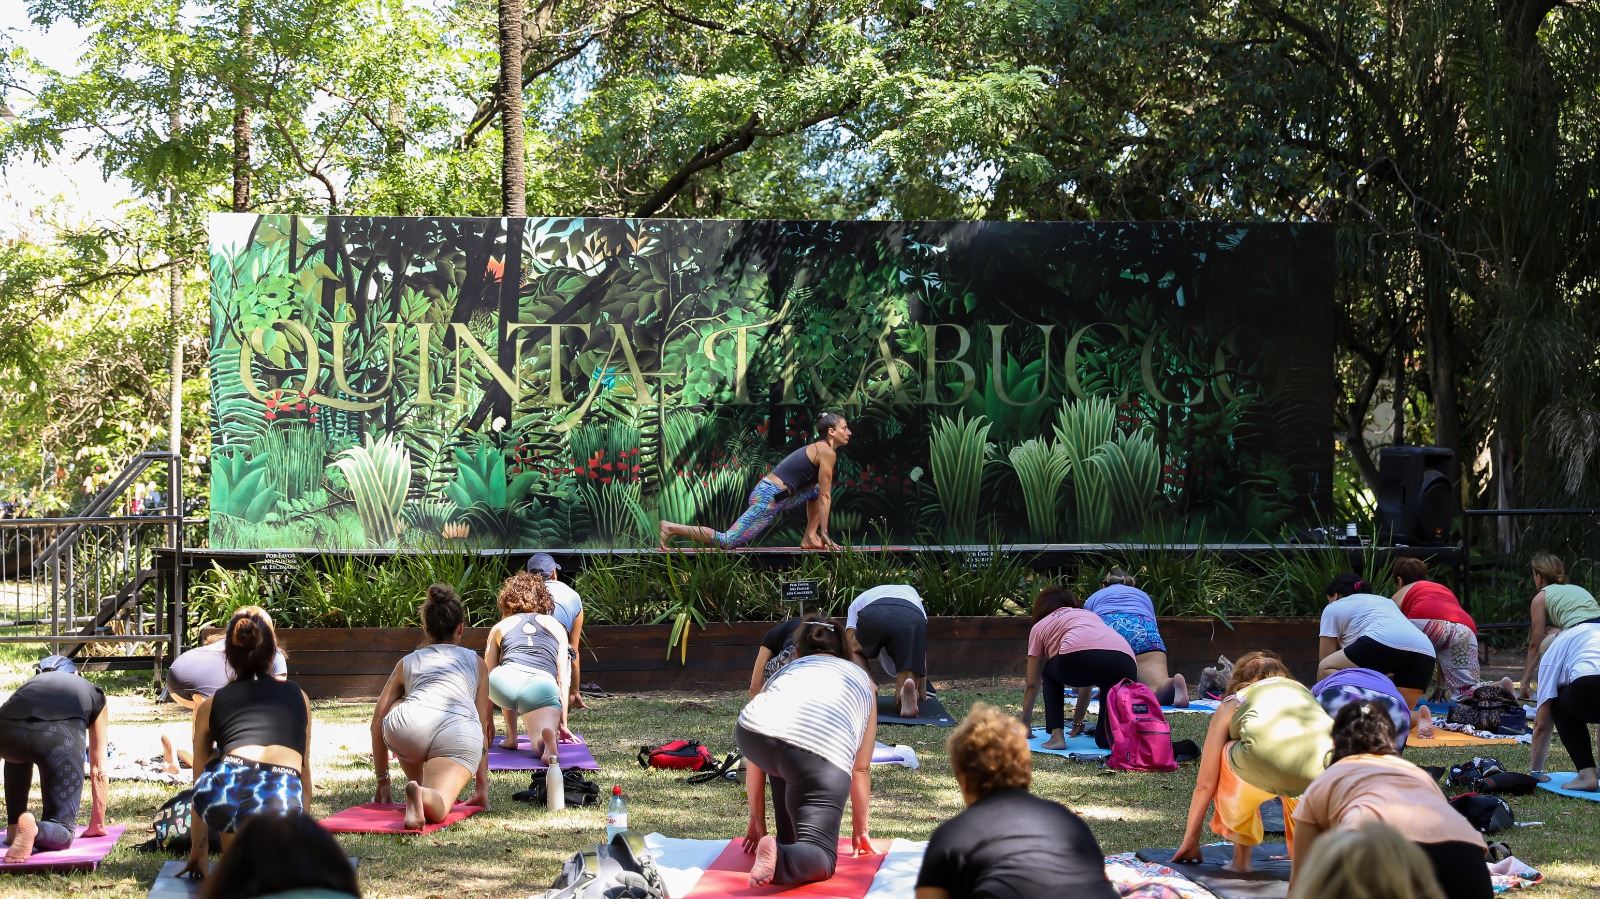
(1457, 649)
(57, 748)
(765, 507)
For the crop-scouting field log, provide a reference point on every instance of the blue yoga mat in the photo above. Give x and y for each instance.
(1558, 781)
(1080, 747)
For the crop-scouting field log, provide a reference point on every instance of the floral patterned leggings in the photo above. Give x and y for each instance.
(1456, 647)
(765, 507)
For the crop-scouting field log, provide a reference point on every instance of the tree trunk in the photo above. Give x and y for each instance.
(513, 170)
(241, 118)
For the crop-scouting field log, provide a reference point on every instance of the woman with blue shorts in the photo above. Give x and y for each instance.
(251, 741)
(529, 668)
(1129, 611)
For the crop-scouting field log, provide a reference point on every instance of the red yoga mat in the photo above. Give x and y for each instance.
(389, 817)
(729, 875)
(85, 854)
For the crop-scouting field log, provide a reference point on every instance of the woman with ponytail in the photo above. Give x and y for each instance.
(1366, 780)
(252, 740)
(1361, 629)
(810, 733)
(434, 715)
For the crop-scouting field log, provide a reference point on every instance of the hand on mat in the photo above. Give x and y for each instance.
(383, 793)
(563, 735)
(196, 867)
(95, 829)
(480, 797)
(1188, 852)
(1077, 729)
(753, 835)
(860, 845)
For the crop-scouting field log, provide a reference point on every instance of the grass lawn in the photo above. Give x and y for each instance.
(516, 849)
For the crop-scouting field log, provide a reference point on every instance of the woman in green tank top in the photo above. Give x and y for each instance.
(1557, 605)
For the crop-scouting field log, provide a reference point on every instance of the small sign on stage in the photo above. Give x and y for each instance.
(799, 591)
(978, 559)
(278, 563)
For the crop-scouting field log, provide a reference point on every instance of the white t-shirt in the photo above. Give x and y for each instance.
(1574, 653)
(820, 703)
(883, 591)
(1365, 615)
(568, 605)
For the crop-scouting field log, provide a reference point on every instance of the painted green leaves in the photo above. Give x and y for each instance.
(378, 472)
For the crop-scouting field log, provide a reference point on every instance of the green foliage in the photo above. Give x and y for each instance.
(295, 459)
(378, 472)
(241, 486)
(956, 451)
(1042, 469)
(488, 500)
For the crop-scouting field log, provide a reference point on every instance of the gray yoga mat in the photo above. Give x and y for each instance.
(1269, 878)
(929, 711)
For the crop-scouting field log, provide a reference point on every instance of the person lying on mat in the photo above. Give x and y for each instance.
(1370, 861)
(888, 623)
(51, 721)
(1348, 685)
(1366, 780)
(1070, 646)
(803, 478)
(566, 606)
(260, 729)
(1569, 701)
(1363, 630)
(1130, 612)
(283, 856)
(809, 733)
(1268, 738)
(527, 660)
(1008, 842)
(777, 650)
(1557, 605)
(434, 715)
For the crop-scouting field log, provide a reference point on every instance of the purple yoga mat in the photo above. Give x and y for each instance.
(573, 755)
(85, 854)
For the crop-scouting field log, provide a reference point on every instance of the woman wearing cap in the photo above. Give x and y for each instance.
(526, 654)
(803, 478)
(1361, 629)
(50, 722)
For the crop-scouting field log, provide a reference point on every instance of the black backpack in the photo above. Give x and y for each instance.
(620, 869)
(579, 792)
(1491, 708)
(1487, 814)
(1487, 775)
(171, 826)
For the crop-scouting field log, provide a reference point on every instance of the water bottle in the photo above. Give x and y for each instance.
(616, 814)
(555, 790)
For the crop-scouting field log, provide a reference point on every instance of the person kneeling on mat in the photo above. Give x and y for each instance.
(51, 721)
(1268, 738)
(434, 714)
(283, 856)
(1569, 701)
(888, 623)
(1367, 781)
(1363, 630)
(1130, 612)
(260, 728)
(1071, 647)
(1007, 842)
(527, 660)
(810, 732)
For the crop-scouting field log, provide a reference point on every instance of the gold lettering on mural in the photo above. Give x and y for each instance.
(1147, 374)
(997, 365)
(969, 377)
(1070, 369)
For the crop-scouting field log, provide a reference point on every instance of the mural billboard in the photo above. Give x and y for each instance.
(571, 382)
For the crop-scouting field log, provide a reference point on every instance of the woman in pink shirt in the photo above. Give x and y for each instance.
(1070, 646)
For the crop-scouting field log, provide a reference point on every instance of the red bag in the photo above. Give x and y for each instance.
(678, 755)
(1140, 737)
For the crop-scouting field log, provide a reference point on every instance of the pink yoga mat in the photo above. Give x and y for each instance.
(729, 876)
(85, 854)
(573, 755)
(389, 817)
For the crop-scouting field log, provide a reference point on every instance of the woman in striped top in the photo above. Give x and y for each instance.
(810, 732)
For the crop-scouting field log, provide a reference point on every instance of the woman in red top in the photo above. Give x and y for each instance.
(1436, 612)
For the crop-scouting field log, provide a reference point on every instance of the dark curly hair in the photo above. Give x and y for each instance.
(1362, 728)
(525, 592)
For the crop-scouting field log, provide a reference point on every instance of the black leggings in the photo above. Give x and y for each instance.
(1461, 869)
(58, 748)
(1577, 706)
(896, 627)
(1099, 668)
(808, 795)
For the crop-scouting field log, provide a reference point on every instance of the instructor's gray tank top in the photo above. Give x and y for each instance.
(527, 643)
(443, 677)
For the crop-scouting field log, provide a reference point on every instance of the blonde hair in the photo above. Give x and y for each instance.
(1372, 862)
(989, 749)
(524, 592)
(1118, 575)
(1549, 567)
(1255, 666)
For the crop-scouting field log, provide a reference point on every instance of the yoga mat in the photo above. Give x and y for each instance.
(1079, 747)
(85, 854)
(572, 755)
(389, 817)
(1195, 706)
(729, 876)
(1557, 784)
(929, 711)
(1272, 816)
(901, 755)
(682, 863)
(1268, 879)
(168, 885)
(1443, 737)
(1127, 873)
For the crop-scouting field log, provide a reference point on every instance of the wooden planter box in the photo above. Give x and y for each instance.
(353, 663)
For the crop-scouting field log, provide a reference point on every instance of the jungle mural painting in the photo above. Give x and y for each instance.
(561, 382)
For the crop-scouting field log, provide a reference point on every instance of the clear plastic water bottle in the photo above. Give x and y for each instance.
(616, 814)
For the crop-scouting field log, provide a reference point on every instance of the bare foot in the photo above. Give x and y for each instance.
(1056, 741)
(1425, 727)
(812, 543)
(169, 757)
(766, 863)
(1180, 692)
(1507, 685)
(415, 816)
(1586, 782)
(666, 534)
(1241, 860)
(26, 829)
(510, 741)
(908, 698)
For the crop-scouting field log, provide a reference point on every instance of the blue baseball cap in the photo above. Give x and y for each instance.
(544, 564)
(55, 663)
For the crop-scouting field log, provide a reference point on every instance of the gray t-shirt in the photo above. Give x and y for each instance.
(442, 676)
(568, 605)
(202, 671)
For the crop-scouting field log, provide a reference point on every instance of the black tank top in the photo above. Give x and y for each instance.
(259, 712)
(796, 471)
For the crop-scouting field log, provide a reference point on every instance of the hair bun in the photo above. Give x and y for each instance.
(440, 593)
(246, 634)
